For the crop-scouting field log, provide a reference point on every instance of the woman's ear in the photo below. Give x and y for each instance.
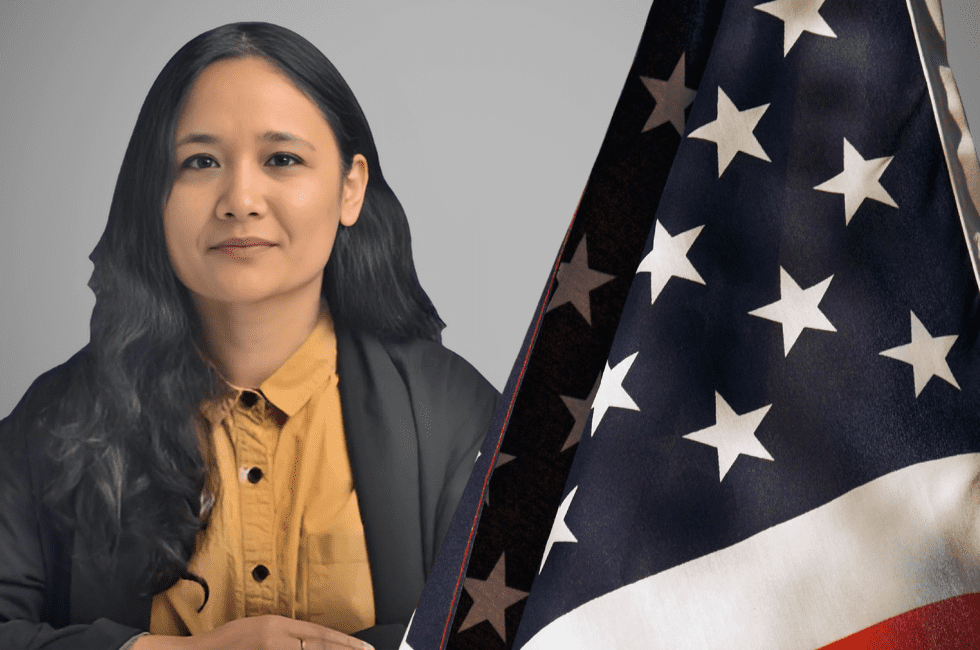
(355, 185)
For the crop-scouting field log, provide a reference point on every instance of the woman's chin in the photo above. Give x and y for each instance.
(258, 293)
(243, 296)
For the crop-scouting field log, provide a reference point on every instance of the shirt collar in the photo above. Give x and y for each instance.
(304, 373)
(294, 383)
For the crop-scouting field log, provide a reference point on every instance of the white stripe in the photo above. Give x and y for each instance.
(907, 539)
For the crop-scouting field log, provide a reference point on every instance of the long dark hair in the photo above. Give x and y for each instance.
(130, 459)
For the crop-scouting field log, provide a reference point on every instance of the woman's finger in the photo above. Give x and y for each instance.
(338, 641)
(272, 632)
(319, 637)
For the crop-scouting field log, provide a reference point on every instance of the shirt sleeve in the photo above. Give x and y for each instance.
(129, 644)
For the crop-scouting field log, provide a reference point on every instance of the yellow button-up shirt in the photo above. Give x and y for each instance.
(284, 534)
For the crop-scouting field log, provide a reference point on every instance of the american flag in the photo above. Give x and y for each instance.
(747, 412)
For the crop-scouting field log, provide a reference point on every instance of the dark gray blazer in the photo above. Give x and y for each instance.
(414, 414)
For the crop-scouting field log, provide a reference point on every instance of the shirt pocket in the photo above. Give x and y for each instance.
(334, 582)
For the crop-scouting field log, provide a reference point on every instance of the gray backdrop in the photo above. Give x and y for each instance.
(487, 115)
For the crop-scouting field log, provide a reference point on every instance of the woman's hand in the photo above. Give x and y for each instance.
(258, 633)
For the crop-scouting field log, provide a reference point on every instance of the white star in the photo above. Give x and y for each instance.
(668, 259)
(732, 131)
(732, 434)
(796, 309)
(926, 354)
(858, 181)
(559, 530)
(672, 98)
(611, 391)
(798, 16)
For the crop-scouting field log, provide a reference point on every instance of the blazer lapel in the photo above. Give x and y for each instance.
(382, 443)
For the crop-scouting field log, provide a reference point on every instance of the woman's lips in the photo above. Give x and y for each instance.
(241, 248)
(244, 242)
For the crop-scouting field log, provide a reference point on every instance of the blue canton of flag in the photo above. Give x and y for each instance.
(783, 449)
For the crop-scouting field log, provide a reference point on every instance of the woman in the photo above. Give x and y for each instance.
(263, 443)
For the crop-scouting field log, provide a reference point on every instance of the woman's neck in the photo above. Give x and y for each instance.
(249, 342)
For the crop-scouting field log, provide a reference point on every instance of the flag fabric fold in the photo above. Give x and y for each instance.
(747, 411)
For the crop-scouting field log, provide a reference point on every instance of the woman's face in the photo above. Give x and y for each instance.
(258, 190)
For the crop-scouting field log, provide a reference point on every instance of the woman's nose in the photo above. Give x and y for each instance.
(242, 193)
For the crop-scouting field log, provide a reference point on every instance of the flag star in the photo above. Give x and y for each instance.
(672, 97)
(611, 392)
(858, 181)
(490, 598)
(668, 259)
(733, 435)
(502, 459)
(559, 530)
(475, 460)
(926, 354)
(798, 16)
(576, 280)
(732, 131)
(796, 309)
(579, 408)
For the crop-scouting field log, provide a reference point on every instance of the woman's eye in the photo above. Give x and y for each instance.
(283, 160)
(202, 161)
(206, 162)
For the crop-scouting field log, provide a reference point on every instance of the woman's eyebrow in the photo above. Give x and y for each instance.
(268, 136)
(282, 136)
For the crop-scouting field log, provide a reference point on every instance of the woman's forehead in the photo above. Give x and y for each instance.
(248, 95)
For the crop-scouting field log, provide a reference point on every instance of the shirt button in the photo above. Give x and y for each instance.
(249, 398)
(260, 573)
(254, 475)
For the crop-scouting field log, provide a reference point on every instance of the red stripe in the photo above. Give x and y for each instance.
(952, 624)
